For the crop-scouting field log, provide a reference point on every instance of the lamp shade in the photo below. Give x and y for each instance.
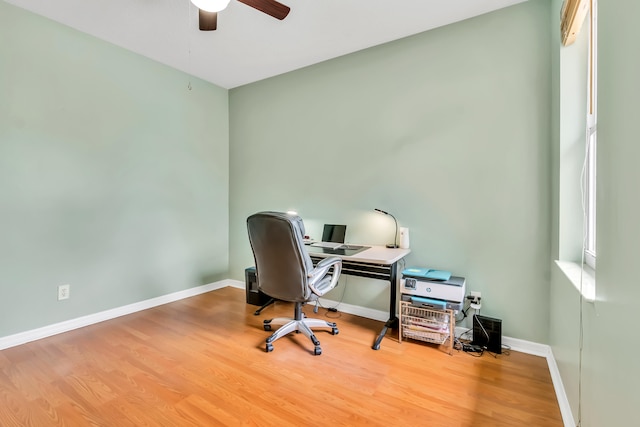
(211, 5)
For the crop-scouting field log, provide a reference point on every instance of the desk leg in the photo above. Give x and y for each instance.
(391, 323)
(393, 319)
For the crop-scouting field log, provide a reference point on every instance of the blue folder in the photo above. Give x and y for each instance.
(427, 273)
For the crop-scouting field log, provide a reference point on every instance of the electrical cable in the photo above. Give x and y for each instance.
(583, 197)
(457, 344)
(332, 312)
(464, 314)
(581, 296)
(588, 151)
(506, 350)
(486, 334)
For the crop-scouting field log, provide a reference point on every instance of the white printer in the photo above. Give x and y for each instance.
(434, 288)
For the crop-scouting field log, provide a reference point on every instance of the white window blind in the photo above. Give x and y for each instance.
(571, 19)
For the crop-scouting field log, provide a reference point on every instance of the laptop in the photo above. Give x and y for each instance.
(332, 236)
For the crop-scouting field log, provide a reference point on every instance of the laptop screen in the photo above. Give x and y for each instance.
(334, 233)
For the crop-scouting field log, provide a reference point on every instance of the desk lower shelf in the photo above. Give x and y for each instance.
(361, 269)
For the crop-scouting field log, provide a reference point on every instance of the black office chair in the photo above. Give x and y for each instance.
(285, 272)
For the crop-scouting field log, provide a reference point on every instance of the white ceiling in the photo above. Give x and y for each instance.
(248, 45)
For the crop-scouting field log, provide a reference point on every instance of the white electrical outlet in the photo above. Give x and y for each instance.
(475, 302)
(63, 292)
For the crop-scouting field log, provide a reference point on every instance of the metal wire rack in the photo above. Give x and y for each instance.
(423, 324)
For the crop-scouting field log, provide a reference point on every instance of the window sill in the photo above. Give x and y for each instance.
(584, 279)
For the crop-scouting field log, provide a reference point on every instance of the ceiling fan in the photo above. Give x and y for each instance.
(208, 10)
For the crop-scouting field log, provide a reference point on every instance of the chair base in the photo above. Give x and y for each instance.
(298, 324)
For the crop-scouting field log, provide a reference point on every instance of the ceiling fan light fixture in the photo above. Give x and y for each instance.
(211, 5)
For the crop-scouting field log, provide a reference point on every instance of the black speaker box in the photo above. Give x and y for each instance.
(254, 295)
(487, 332)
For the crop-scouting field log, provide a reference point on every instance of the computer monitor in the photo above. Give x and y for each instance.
(334, 233)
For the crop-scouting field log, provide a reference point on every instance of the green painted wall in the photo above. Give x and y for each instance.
(113, 175)
(448, 130)
(610, 367)
(609, 371)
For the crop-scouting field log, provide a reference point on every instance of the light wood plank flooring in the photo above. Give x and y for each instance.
(201, 362)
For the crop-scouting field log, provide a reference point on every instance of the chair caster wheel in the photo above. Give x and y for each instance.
(317, 351)
(267, 327)
(269, 348)
(335, 331)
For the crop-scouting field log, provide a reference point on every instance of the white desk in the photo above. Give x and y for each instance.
(376, 262)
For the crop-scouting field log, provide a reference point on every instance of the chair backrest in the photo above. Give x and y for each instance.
(282, 262)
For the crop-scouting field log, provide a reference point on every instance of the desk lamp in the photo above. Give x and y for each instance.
(395, 236)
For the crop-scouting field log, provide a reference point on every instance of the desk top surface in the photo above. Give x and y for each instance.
(372, 255)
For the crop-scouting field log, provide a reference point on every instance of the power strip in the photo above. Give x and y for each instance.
(469, 348)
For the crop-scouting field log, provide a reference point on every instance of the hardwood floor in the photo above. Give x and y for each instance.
(201, 362)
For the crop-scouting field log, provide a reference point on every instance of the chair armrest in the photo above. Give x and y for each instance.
(322, 269)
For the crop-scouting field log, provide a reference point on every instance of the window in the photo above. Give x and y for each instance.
(589, 194)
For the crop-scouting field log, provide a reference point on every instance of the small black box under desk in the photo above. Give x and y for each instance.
(254, 295)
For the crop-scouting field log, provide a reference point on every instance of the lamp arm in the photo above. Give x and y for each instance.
(395, 236)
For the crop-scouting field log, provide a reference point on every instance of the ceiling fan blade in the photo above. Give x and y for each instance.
(270, 7)
(208, 20)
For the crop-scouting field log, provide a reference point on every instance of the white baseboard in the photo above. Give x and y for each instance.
(563, 401)
(522, 346)
(80, 322)
(357, 310)
(236, 284)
